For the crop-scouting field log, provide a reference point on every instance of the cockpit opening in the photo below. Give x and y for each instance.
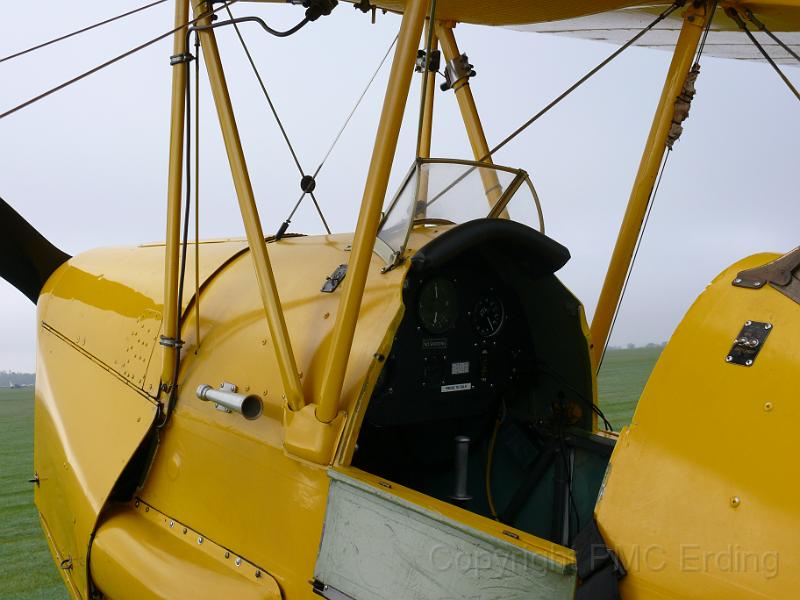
(489, 378)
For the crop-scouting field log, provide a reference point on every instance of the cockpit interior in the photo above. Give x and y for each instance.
(486, 397)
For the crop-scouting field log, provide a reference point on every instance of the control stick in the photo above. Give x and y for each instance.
(462, 465)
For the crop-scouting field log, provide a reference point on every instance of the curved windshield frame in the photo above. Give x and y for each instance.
(441, 191)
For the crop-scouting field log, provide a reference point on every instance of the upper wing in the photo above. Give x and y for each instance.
(616, 21)
(724, 39)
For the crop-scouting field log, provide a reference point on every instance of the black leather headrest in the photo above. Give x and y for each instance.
(539, 254)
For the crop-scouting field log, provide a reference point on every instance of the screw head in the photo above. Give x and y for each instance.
(200, 540)
(737, 280)
(736, 502)
(227, 554)
(767, 325)
(748, 322)
(238, 562)
(767, 406)
(728, 358)
(748, 362)
(172, 524)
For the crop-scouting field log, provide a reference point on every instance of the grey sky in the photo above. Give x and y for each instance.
(88, 165)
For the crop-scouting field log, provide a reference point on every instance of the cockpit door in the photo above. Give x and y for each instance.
(388, 542)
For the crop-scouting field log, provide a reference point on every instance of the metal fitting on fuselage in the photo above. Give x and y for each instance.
(227, 400)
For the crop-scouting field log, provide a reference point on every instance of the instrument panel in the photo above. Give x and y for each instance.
(462, 343)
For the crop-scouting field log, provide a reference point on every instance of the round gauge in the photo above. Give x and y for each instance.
(438, 305)
(488, 316)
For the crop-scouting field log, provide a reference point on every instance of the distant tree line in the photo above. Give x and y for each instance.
(13, 379)
(633, 346)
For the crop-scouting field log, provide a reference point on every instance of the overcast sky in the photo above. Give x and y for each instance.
(88, 166)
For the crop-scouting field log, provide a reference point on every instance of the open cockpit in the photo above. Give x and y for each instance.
(486, 397)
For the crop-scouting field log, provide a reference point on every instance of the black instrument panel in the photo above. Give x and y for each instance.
(460, 345)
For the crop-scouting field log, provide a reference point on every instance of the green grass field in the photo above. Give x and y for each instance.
(622, 380)
(26, 570)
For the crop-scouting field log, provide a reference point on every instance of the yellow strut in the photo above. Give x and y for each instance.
(429, 91)
(694, 21)
(369, 215)
(174, 185)
(247, 205)
(469, 114)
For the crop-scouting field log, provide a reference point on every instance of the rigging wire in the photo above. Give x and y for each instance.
(111, 61)
(235, 22)
(652, 199)
(338, 135)
(650, 204)
(706, 30)
(561, 96)
(584, 79)
(752, 18)
(197, 189)
(731, 12)
(82, 30)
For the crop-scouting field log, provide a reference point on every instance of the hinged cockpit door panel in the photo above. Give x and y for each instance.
(383, 541)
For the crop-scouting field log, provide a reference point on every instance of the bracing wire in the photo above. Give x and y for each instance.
(706, 31)
(755, 21)
(82, 30)
(340, 132)
(650, 204)
(110, 62)
(652, 199)
(583, 79)
(197, 189)
(731, 12)
(235, 22)
(561, 97)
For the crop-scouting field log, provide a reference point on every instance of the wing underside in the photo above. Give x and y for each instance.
(724, 39)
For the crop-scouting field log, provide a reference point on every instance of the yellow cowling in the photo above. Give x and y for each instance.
(700, 498)
(234, 480)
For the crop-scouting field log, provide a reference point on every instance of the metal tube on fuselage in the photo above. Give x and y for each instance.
(247, 205)
(694, 21)
(369, 216)
(174, 191)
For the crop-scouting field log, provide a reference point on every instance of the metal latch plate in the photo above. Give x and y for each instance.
(748, 343)
(334, 279)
